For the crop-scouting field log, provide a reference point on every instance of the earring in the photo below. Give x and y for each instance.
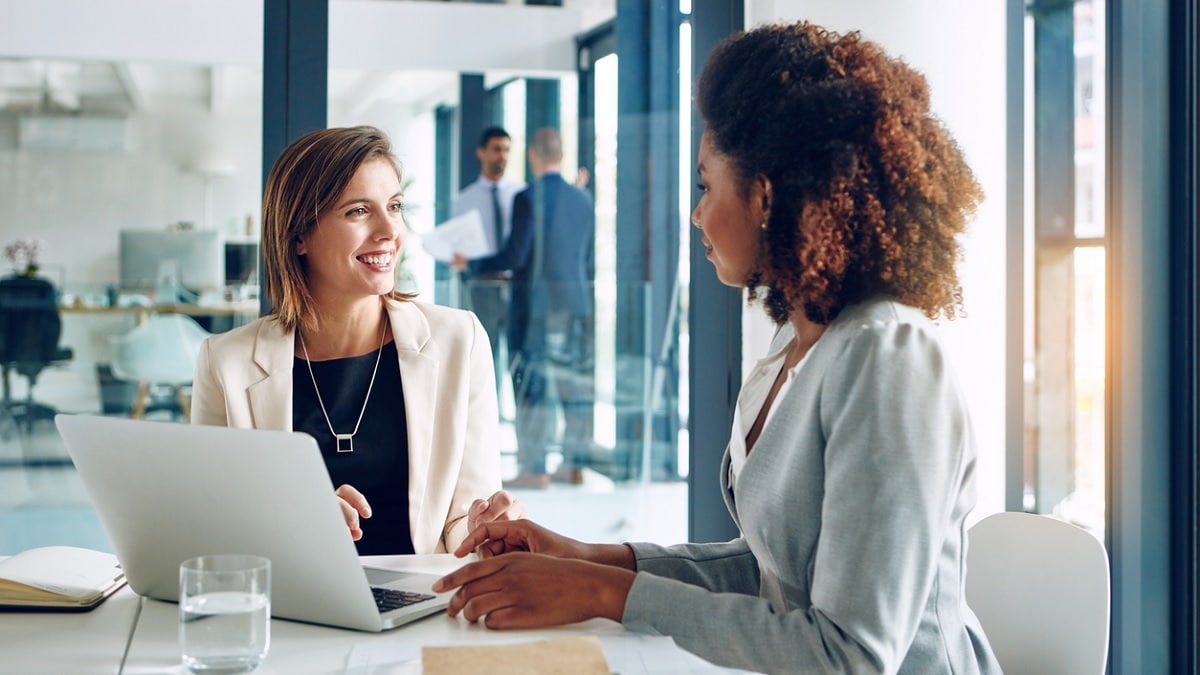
(764, 223)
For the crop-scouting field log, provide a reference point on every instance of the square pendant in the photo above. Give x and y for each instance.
(345, 442)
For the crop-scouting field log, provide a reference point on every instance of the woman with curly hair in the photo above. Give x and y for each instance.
(832, 193)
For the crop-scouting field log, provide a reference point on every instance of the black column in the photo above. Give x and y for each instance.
(715, 318)
(1142, 462)
(470, 123)
(1185, 334)
(541, 110)
(443, 131)
(295, 77)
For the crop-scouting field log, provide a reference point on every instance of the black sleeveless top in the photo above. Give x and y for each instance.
(378, 466)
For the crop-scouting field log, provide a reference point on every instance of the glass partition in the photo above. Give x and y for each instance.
(97, 148)
(566, 394)
(89, 149)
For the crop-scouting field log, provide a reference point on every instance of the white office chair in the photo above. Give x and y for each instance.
(1040, 588)
(161, 350)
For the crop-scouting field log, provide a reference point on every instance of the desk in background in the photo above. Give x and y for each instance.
(88, 328)
(241, 308)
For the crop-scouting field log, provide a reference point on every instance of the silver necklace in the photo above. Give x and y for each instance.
(344, 442)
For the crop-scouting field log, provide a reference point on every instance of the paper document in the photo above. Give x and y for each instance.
(462, 234)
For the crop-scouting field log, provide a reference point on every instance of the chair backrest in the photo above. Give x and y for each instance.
(160, 350)
(1040, 588)
(30, 325)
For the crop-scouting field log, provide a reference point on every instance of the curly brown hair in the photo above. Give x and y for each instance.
(870, 191)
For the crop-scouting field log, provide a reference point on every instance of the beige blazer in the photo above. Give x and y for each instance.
(244, 379)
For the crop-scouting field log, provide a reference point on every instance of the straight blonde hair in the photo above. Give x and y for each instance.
(304, 182)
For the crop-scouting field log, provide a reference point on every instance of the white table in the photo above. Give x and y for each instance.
(306, 648)
(68, 642)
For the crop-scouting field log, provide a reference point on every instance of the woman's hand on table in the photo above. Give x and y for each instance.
(524, 590)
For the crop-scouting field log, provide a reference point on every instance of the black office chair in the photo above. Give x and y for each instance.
(30, 327)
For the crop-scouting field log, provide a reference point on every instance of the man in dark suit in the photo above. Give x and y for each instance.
(550, 253)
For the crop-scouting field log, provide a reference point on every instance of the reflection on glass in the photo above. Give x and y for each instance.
(686, 176)
(1086, 503)
(605, 177)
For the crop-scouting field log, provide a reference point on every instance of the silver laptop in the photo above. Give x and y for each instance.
(166, 492)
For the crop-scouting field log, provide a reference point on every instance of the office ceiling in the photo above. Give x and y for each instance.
(213, 70)
(169, 79)
(36, 86)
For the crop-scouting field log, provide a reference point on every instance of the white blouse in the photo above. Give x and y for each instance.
(754, 394)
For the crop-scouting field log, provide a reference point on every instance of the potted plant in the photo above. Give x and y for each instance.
(23, 254)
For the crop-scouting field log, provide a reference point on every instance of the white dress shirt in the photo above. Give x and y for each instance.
(754, 394)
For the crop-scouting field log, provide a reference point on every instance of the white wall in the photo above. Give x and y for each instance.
(960, 47)
(78, 200)
(452, 36)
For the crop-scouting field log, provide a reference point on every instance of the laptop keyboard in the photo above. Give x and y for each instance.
(388, 599)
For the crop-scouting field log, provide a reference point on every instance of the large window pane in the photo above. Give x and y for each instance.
(1066, 350)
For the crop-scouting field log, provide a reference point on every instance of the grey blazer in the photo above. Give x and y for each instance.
(852, 508)
(244, 379)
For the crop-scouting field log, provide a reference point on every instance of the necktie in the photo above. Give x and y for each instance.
(497, 218)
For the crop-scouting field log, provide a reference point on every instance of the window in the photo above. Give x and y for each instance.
(1065, 235)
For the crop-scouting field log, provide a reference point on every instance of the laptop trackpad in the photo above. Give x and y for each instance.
(378, 577)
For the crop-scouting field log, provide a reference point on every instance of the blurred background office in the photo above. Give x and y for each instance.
(134, 137)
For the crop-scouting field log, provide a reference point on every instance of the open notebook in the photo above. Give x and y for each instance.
(166, 492)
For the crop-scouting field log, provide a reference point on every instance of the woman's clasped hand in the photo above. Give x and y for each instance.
(531, 577)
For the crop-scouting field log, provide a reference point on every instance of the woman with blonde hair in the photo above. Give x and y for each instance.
(400, 395)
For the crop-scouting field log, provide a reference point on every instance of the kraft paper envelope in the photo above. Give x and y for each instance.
(576, 655)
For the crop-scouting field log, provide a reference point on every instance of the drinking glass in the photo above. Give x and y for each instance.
(224, 612)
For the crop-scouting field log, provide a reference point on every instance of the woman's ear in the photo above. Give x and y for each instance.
(763, 194)
(300, 248)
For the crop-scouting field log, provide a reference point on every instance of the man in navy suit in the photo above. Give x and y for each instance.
(550, 253)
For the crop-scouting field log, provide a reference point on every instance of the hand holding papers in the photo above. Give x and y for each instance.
(462, 234)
